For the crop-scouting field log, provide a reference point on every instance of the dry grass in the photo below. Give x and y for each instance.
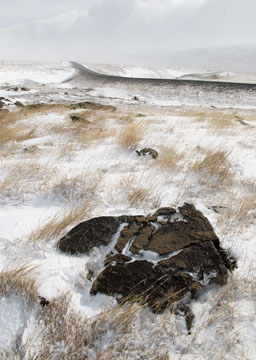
(55, 226)
(65, 333)
(214, 167)
(170, 158)
(25, 177)
(11, 130)
(37, 109)
(19, 281)
(74, 187)
(142, 192)
(131, 135)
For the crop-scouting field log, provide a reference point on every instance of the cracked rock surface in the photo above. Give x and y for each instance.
(158, 259)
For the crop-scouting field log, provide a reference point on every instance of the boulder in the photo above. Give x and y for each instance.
(1, 104)
(152, 261)
(91, 233)
(145, 283)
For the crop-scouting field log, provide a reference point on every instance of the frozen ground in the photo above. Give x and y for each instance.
(54, 173)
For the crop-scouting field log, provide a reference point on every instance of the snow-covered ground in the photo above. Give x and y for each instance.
(55, 173)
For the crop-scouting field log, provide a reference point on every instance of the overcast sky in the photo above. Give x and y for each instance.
(110, 30)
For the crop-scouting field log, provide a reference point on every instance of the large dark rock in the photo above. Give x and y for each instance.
(156, 259)
(203, 259)
(146, 283)
(88, 234)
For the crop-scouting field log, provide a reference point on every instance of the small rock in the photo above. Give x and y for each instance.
(43, 301)
(165, 211)
(126, 234)
(118, 258)
(18, 104)
(76, 118)
(149, 151)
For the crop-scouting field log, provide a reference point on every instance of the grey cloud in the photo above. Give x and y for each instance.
(113, 30)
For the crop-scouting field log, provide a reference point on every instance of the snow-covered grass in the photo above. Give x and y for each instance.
(55, 173)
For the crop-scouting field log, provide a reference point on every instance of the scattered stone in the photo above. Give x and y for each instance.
(135, 98)
(24, 89)
(218, 209)
(43, 302)
(18, 104)
(149, 151)
(76, 118)
(4, 99)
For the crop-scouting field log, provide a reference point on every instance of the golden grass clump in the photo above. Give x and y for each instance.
(54, 226)
(141, 192)
(65, 333)
(214, 167)
(131, 135)
(170, 158)
(74, 187)
(11, 130)
(19, 281)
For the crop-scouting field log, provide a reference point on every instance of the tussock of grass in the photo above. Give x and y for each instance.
(74, 187)
(214, 167)
(19, 281)
(141, 192)
(131, 135)
(11, 130)
(63, 326)
(20, 176)
(170, 158)
(56, 225)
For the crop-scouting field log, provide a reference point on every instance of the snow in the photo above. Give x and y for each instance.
(12, 320)
(110, 173)
(28, 74)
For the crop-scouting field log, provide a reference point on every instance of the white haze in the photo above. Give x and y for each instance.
(120, 31)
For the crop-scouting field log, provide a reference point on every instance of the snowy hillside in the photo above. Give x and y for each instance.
(56, 172)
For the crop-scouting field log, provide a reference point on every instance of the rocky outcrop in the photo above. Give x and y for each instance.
(158, 259)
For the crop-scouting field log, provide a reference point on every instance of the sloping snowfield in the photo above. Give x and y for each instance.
(54, 173)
